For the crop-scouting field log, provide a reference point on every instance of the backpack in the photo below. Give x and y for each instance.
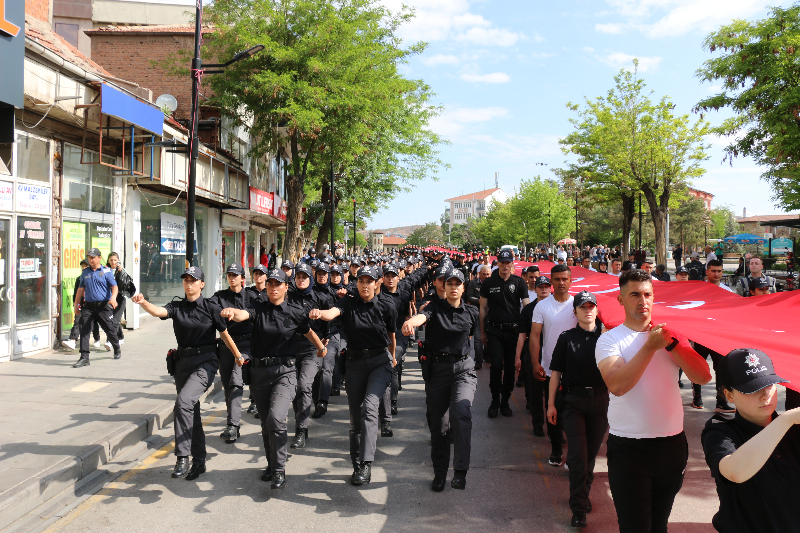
(696, 272)
(745, 283)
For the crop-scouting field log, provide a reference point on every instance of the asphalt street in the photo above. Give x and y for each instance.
(510, 485)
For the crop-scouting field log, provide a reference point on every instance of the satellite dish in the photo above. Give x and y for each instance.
(168, 101)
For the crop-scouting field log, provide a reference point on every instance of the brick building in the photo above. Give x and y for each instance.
(707, 197)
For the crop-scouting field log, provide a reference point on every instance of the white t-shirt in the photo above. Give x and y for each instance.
(531, 295)
(653, 407)
(555, 318)
(612, 274)
(561, 254)
(723, 286)
(711, 257)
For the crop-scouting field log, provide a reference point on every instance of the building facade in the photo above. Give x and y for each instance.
(474, 205)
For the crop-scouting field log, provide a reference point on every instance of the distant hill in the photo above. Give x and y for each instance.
(403, 231)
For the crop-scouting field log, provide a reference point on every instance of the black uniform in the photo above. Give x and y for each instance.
(307, 364)
(229, 372)
(273, 379)
(401, 300)
(585, 412)
(195, 325)
(325, 381)
(369, 368)
(450, 382)
(472, 295)
(501, 321)
(534, 389)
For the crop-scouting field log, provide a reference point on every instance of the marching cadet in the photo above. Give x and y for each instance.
(276, 321)
(326, 292)
(194, 364)
(258, 290)
(307, 364)
(451, 380)
(369, 322)
(229, 372)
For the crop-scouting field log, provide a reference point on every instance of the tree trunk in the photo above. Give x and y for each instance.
(658, 212)
(295, 197)
(628, 212)
(324, 229)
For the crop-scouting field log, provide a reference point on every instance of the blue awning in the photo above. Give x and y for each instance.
(130, 110)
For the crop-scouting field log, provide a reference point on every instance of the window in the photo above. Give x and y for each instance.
(33, 158)
(87, 187)
(69, 32)
(32, 256)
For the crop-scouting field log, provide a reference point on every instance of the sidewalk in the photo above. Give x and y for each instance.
(58, 424)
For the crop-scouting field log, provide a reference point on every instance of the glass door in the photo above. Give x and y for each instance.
(74, 237)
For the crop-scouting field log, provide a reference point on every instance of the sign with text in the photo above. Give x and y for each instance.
(73, 239)
(6, 196)
(33, 198)
(781, 245)
(261, 201)
(173, 235)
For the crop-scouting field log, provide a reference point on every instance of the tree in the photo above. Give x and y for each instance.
(687, 222)
(427, 235)
(326, 88)
(757, 70)
(464, 236)
(643, 146)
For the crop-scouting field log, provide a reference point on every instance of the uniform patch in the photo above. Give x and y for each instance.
(512, 288)
(751, 360)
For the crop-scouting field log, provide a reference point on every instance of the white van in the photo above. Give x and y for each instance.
(514, 249)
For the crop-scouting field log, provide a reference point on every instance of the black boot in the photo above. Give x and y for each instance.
(181, 467)
(494, 406)
(437, 485)
(505, 410)
(278, 479)
(362, 473)
(335, 392)
(578, 519)
(233, 434)
(266, 475)
(386, 429)
(459, 480)
(394, 408)
(320, 410)
(300, 437)
(196, 469)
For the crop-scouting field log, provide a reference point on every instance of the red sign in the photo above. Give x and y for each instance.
(261, 202)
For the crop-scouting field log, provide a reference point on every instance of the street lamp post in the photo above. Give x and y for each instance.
(524, 225)
(197, 71)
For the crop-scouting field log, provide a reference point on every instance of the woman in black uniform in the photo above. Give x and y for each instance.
(451, 380)
(195, 321)
(229, 372)
(276, 321)
(369, 323)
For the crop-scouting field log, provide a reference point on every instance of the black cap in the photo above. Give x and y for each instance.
(235, 268)
(311, 251)
(303, 268)
(322, 267)
(94, 252)
(505, 255)
(287, 264)
(441, 271)
(261, 268)
(195, 272)
(356, 261)
(582, 298)
(84, 262)
(542, 280)
(681, 270)
(391, 268)
(314, 263)
(454, 274)
(370, 271)
(336, 269)
(759, 283)
(747, 370)
(277, 275)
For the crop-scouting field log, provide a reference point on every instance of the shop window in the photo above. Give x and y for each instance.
(33, 234)
(87, 187)
(5, 268)
(33, 158)
(6, 156)
(69, 32)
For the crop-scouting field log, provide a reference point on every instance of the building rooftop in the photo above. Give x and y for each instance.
(480, 195)
(393, 241)
(766, 218)
(41, 33)
(171, 29)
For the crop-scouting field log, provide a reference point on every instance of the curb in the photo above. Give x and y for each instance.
(23, 498)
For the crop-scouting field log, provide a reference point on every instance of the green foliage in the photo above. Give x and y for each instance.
(539, 204)
(757, 67)
(427, 235)
(464, 236)
(327, 87)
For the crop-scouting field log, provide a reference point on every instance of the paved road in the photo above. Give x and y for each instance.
(510, 485)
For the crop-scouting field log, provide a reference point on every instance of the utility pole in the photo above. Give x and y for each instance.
(640, 223)
(577, 233)
(333, 220)
(354, 226)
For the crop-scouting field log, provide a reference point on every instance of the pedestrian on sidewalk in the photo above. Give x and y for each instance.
(74, 333)
(98, 290)
(195, 321)
(126, 288)
(584, 410)
(230, 373)
(451, 382)
(370, 323)
(276, 320)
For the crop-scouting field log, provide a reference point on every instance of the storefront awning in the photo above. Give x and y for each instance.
(128, 109)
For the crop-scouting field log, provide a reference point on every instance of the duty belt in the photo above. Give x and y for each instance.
(272, 361)
(364, 354)
(586, 392)
(445, 358)
(195, 350)
(236, 338)
(503, 326)
(95, 305)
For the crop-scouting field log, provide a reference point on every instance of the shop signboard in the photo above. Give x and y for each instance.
(6, 196)
(74, 249)
(261, 201)
(33, 198)
(173, 235)
(781, 245)
(101, 239)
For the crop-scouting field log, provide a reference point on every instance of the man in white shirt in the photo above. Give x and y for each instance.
(616, 267)
(586, 263)
(551, 317)
(710, 255)
(561, 254)
(647, 448)
(530, 274)
(714, 274)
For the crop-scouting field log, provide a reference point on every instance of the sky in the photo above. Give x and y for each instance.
(504, 71)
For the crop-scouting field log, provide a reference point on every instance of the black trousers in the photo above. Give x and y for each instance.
(308, 365)
(191, 381)
(534, 389)
(554, 431)
(501, 354)
(104, 316)
(231, 376)
(450, 391)
(401, 346)
(645, 475)
(117, 316)
(585, 424)
(75, 332)
(367, 381)
(273, 389)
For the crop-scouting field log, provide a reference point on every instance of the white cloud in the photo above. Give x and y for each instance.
(440, 20)
(668, 18)
(620, 60)
(453, 122)
(494, 77)
(529, 148)
(440, 59)
(588, 49)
